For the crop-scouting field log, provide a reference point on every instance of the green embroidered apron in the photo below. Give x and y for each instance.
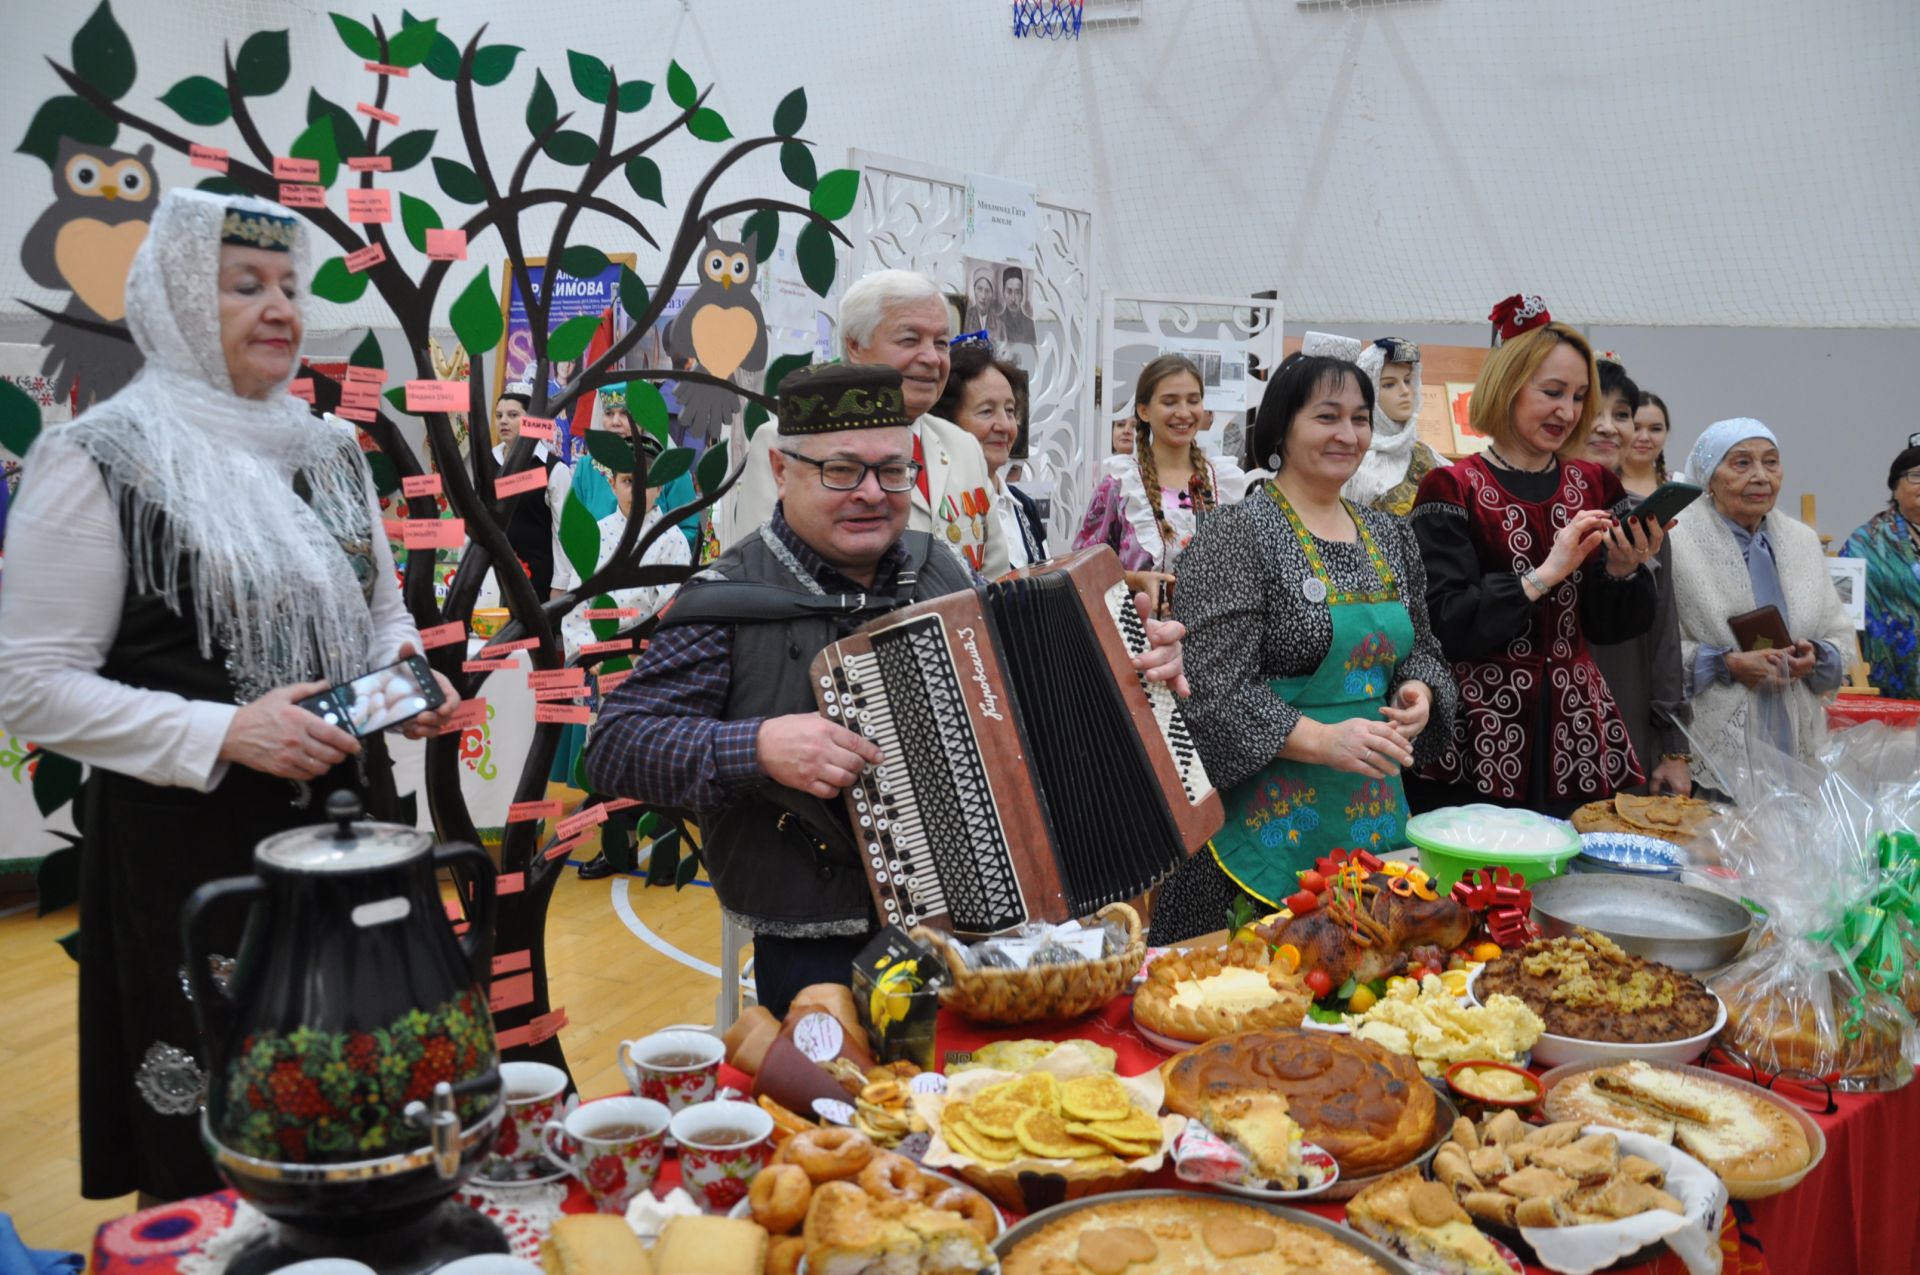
(1292, 813)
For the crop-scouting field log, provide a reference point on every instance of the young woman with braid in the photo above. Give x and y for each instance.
(1148, 505)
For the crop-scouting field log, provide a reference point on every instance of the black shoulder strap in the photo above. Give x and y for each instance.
(749, 602)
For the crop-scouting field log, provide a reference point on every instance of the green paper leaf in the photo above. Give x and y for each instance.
(579, 536)
(813, 251)
(633, 294)
(19, 419)
(834, 193)
(410, 809)
(196, 99)
(263, 65)
(443, 58)
(569, 341)
(408, 149)
(578, 774)
(618, 664)
(221, 186)
(360, 41)
(397, 400)
(643, 175)
(386, 479)
(755, 418)
(493, 63)
(102, 54)
(707, 125)
(791, 115)
(680, 87)
(763, 227)
(348, 136)
(73, 117)
(583, 262)
(572, 148)
(317, 142)
(612, 450)
(591, 78)
(634, 96)
(777, 372)
(411, 45)
(796, 161)
(57, 880)
(648, 408)
(418, 217)
(475, 316)
(669, 465)
(603, 629)
(663, 861)
(685, 874)
(712, 469)
(55, 780)
(458, 181)
(334, 282)
(367, 353)
(542, 109)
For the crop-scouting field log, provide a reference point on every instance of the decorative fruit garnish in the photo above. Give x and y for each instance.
(1288, 956)
(1311, 880)
(1362, 1000)
(1302, 902)
(1486, 951)
(1319, 982)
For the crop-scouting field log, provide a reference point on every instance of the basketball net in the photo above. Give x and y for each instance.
(1047, 19)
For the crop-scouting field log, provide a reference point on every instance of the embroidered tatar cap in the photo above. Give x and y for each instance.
(1398, 350)
(613, 396)
(256, 228)
(1521, 312)
(520, 392)
(823, 397)
(1332, 346)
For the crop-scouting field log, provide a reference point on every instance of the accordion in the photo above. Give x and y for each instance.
(1031, 773)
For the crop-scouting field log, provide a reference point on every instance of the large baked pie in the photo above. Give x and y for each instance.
(1206, 993)
(1181, 1233)
(1740, 1136)
(1677, 819)
(1423, 1220)
(1367, 1107)
(1586, 987)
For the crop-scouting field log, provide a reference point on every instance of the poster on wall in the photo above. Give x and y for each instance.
(1000, 304)
(1433, 420)
(1849, 577)
(1467, 441)
(572, 298)
(998, 254)
(1223, 369)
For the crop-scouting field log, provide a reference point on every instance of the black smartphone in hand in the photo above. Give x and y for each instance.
(380, 699)
(1664, 503)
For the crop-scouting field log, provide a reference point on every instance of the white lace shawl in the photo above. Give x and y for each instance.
(205, 479)
(1384, 467)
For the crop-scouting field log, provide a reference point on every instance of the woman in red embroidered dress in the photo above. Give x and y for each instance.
(1527, 561)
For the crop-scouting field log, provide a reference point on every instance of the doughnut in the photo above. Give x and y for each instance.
(971, 1205)
(929, 1186)
(783, 1255)
(779, 1196)
(891, 1177)
(830, 1155)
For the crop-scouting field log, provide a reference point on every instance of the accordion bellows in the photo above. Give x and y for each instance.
(1031, 773)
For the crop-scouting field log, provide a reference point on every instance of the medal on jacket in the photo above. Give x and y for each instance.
(951, 512)
(975, 504)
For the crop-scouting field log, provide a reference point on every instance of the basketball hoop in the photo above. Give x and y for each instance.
(1047, 19)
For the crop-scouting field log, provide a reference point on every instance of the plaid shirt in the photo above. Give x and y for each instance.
(662, 737)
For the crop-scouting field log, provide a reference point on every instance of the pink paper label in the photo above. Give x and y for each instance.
(370, 163)
(621, 803)
(522, 811)
(366, 375)
(381, 68)
(447, 245)
(286, 169)
(546, 679)
(421, 485)
(510, 992)
(608, 681)
(573, 714)
(433, 533)
(580, 822)
(514, 484)
(546, 1026)
(368, 108)
(296, 196)
(558, 693)
(507, 648)
(454, 912)
(436, 396)
(442, 635)
(509, 883)
(559, 848)
(511, 1037)
(374, 203)
(359, 415)
(540, 427)
(598, 648)
(485, 666)
(301, 388)
(508, 962)
(211, 157)
(365, 397)
(368, 257)
(469, 713)
(611, 613)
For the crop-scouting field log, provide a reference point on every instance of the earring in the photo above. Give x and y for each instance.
(1273, 462)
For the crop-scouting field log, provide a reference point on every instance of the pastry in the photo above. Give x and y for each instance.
(849, 1232)
(709, 1246)
(1585, 987)
(1202, 994)
(1180, 1233)
(1739, 1135)
(1774, 1019)
(1370, 1109)
(1676, 819)
(1424, 1221)
(597, 1244)
(1518, 1175)
(1372, 941)
(750, 1036)
(1258, 1124)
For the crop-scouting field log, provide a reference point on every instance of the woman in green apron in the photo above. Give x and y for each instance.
(1316, 679)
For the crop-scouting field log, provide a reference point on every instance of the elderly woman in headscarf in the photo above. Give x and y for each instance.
(1733, 553)
(1890, 543)
(187, 561)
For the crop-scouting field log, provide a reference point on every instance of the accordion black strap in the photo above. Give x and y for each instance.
(750, 602)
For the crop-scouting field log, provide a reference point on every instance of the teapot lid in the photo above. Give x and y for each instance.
(343, 843)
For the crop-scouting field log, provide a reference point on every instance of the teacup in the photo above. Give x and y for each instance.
(679, 1067)
(614, 1146)
(534, 1093)
(722, 1146)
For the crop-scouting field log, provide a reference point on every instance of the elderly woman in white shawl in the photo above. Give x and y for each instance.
(186, 561)
(1733, 553)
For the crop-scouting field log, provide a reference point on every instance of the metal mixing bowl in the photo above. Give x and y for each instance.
(1679, 925)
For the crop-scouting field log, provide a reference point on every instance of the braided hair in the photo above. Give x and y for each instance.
(1649, 399)
(1200, 476)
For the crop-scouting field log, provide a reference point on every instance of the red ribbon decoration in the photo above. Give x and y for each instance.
(1501, 894)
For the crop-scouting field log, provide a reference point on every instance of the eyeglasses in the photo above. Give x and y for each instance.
(1801, 1088)
(847, 475)
(1912, 477)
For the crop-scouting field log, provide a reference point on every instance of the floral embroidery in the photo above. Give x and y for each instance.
(1369, 666)
(1373, 816)
(1282, 812)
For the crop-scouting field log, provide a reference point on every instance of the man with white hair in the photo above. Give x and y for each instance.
(899, 318)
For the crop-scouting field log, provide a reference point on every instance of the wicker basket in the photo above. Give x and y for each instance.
(1042, 992)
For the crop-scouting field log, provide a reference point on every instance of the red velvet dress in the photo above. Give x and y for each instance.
(1537, 724)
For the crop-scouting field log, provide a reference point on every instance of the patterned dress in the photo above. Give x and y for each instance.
(1120, 517)
(1891, 546)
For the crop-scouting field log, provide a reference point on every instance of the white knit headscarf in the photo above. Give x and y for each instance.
(205, 479)
(1384, 467)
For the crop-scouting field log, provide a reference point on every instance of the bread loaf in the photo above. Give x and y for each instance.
(593, 1244)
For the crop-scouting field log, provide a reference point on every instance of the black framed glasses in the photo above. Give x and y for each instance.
(1802, 1088)
(846, 475)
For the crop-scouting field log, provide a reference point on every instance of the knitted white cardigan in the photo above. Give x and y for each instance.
(1710, 583)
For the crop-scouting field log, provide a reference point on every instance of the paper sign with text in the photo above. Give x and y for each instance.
(485, 666)
(610, 681)
(611, 613)
(374, 203)
(370, 163)
(540, 427)
(301, 388)
(297, 196)
(513, 484)
(447, 245)
(510, 992)
(579, 822)
(367, 375)
(508, 962)
(467, 715)
(560, 848)
(443, 635)
(572, 714)
(209, 157)
(385, 117)
(381, 68)
(286, 169)
(433, 533)
(421, 485)
(436, 396)
(507, 648)
(523, 811)
(548, 678)
(600, 648)
(363, 259)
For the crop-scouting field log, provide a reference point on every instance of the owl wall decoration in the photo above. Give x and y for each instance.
(83, 244)
(721, 331)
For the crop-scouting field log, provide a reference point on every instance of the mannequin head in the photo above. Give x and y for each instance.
(1396, 392)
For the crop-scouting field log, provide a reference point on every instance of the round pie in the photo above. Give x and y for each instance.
(1181, 1232)
(1198, 995)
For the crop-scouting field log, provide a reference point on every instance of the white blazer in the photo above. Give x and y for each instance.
(956, 470)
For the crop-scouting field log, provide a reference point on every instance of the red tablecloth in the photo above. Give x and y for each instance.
(1852, 710)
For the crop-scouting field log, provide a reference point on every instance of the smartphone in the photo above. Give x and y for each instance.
(1664, 503)
(374, 701)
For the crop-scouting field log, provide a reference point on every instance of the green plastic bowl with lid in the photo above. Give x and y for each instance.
(1457, 839)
